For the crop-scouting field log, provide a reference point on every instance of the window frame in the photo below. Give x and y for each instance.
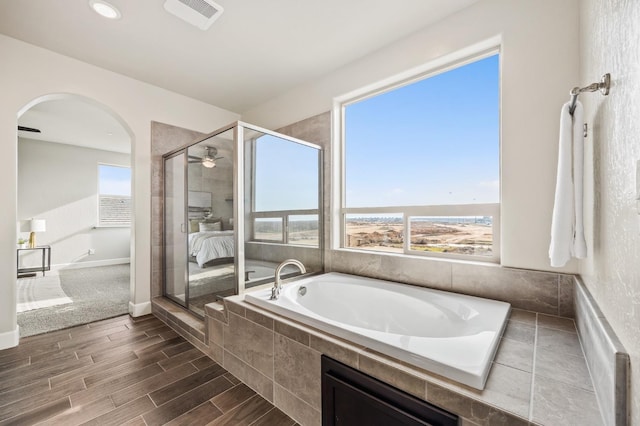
(99, 223)
(283, 215)
(339, 212)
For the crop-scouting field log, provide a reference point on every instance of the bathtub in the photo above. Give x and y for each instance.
(453, 335)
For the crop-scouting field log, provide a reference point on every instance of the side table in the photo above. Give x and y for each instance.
(45, 262)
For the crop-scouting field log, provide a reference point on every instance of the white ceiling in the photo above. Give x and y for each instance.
(256, 50)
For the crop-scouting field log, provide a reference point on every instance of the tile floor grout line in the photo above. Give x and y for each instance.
(268, 411)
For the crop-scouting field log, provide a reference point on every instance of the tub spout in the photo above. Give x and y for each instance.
(275, 291)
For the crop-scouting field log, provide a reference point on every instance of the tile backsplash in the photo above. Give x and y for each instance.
(546, 292)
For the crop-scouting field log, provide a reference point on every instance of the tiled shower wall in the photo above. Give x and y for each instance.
(164, 138)
(546, 292)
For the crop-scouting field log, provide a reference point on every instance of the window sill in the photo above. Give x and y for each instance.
(424, 257)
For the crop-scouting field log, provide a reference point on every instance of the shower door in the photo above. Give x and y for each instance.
(211, 236)
(175, 236)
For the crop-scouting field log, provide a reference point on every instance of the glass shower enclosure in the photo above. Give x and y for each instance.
(236, 204)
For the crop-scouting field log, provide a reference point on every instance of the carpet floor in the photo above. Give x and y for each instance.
(97, 293)
(40, 292)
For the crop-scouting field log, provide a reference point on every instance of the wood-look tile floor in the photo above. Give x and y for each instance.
(124, 370)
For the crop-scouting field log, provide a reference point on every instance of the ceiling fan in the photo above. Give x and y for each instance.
(209, 159)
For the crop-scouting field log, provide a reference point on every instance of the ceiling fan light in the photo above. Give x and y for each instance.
(105, 9)
(208, 163)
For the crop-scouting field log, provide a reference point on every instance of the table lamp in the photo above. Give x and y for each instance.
(36, 225)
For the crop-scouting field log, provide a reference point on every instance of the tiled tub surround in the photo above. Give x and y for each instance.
(539, 291)
(607, 359)
(539, 375)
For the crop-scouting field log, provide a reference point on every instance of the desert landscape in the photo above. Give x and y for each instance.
(434, 236)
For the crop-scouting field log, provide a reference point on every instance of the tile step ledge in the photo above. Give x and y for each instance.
(175, 315)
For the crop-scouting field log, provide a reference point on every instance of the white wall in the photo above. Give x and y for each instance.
(539, 67)
(28, 73)
(59, 183)
(610, 42)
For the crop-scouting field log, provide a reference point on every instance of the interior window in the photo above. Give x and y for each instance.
(284, 210)
(421, 164)
(114, 195)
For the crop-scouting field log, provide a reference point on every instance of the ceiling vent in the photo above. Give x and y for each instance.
(200, 13)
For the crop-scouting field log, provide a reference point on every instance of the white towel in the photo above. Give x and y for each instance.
(567, 229)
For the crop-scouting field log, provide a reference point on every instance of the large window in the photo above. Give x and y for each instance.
(114, 195)
(421, 164)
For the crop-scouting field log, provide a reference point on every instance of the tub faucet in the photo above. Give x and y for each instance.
(275, 291)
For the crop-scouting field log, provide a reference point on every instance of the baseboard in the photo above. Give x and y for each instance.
(140, 309)
(91, 264)
(9, 339)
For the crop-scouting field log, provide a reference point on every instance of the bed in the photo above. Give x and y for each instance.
(209, 246)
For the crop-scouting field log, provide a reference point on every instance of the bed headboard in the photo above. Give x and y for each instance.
(199, 204)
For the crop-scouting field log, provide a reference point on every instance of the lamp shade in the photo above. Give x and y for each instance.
(38, 225)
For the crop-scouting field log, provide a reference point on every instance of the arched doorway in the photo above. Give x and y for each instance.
(74, 179)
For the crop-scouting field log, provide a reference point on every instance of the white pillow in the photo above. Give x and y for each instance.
(207, 227)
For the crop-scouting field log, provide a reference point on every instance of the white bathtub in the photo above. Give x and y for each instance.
(449, 334)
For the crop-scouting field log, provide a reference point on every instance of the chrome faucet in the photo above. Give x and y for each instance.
(275, 291)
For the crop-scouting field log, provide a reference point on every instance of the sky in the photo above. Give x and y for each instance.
(432, 142)
(286, 175)
(114, 180)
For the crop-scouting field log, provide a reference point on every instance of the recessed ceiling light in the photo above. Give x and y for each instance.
(105, 9)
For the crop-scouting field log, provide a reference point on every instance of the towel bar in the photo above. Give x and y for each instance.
(603, 86)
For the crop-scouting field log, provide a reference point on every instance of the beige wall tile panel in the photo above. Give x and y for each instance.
(513, 353)
(250, 343)
(292, 332)
(557, 323)
(475, 411)
(297, 369)
(249, 376)
(565, 368)
(378, 367)
(519, 315)
(296, 408)
(529, 290)
(554, 399)
(335, 349)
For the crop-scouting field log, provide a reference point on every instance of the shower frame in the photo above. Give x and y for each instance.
(238, 128)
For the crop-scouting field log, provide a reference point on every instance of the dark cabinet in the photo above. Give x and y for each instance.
(352, 398)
